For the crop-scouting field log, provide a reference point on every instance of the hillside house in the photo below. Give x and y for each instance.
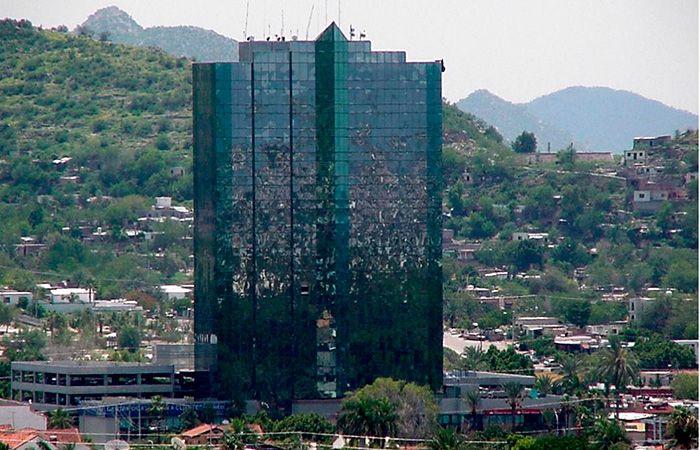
(164, 209)
(633, 156)
(11, 297)
(636, 305)
(653, 197)
(650, 142)
(71, 295)
(175, 292)
(177, 172)
(527, 236)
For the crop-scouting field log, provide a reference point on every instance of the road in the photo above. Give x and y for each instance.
(458, 344)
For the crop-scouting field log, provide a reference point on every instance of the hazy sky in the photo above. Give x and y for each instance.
(518, 49)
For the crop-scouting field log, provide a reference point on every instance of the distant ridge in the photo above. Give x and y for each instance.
(193, 42)
(593, 118)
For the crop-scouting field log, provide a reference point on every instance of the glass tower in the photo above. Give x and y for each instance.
(317, 219)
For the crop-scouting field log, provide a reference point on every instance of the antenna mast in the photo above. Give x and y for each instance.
(245, 29)
(308, 24)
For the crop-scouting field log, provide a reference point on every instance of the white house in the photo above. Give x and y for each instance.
(174, 292)
(10, 297)
(72, 295)
(527, 236)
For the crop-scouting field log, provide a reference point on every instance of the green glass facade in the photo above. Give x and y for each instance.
(317, 219)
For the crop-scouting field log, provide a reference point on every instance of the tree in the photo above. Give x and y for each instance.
(368, 416)
(608, 434)
(544, 384)
(414, 406)
(566, 158)
(157, 412)
(473, 399)
(507, 361)
(446, 439)
(685, 386)
(59, 419)
(129, 338)
(525, 142)
(311, 426)
(526, 254)
(619, 367)
(7, 315)
(189, 419)
(577, 312)
(27, 345)
(571, 368)
(514, 394)
(682, 428)
(657, 352)
(473, 359)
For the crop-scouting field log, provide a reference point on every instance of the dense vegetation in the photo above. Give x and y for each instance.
(594, 245)
(123, 115)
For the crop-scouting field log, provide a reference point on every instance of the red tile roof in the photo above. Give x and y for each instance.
(201, 429)
(16, 438)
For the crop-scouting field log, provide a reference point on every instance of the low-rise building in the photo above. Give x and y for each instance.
(175, 292)
(635, 306)
(71, 295)
(203, 435)
(52, 384)
(18, 415)
(528, 236)
(12, 297)
(650, 142)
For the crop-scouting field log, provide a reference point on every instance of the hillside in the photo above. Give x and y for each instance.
(512, 119)
(593, 118)
(89, 134)
(115, 25)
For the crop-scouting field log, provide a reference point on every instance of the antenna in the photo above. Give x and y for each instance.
(245, 29)
(352, 32)
(308, 24)
(282, 29)
(338, 12)
(326, 16)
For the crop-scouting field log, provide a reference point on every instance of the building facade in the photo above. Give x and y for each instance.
(317, 219)
(53, 384)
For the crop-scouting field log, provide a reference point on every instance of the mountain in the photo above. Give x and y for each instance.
(608, 119)
(593, 118)
(512, 119)
(115, 25)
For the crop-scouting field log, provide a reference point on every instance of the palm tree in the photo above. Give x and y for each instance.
(571, 370)
(618, 367)
(544, 384)
(368, 416)
(682, 428)
(59, 419)
(473, 359)
(157, 411)
(607, 433)
(446, 439)
(514, 392)
(473, 399)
